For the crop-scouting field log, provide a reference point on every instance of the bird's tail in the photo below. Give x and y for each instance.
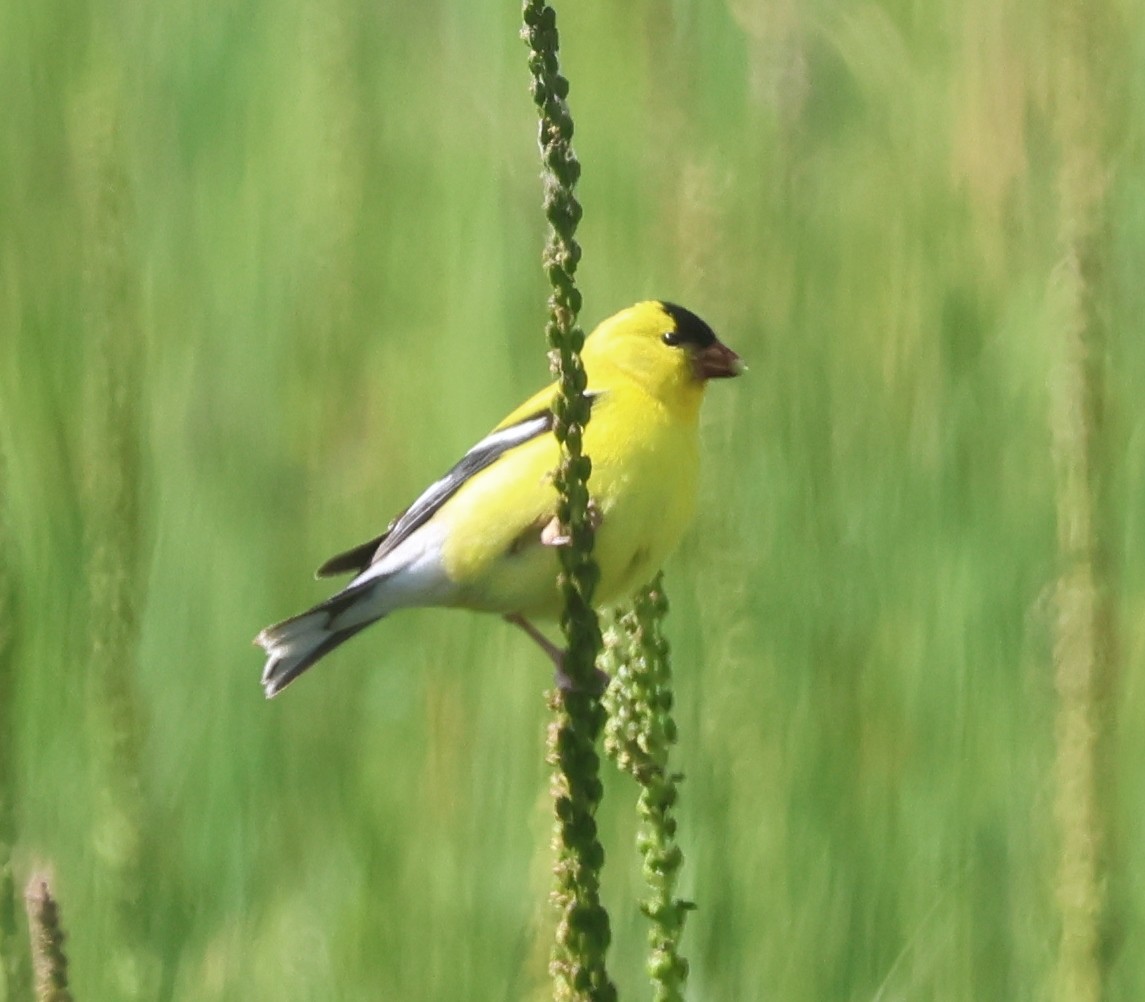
(295, 644)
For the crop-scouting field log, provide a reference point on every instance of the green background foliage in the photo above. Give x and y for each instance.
(326, 231)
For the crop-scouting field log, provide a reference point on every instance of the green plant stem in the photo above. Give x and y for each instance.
(14, 973)
(577, 963)
(112, 525)
(639, 735)
(47, 937)
(1084, 625)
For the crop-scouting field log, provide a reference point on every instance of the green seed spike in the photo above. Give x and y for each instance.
(577, 963)
(639, 736)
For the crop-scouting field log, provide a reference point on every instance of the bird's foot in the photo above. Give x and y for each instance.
(561, 679)
(556, 534)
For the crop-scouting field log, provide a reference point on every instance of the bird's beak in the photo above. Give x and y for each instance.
(716, 361)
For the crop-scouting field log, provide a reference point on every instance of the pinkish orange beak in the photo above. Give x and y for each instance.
(716, 361)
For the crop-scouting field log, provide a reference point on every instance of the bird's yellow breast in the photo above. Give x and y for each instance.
(645, 463)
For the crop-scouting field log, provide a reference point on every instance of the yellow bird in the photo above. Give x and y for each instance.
(483, 536)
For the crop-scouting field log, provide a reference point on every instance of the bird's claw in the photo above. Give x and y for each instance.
(556, 534)
(561, 679)
(565, 682)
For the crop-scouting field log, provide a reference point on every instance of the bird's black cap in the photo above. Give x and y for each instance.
(690, 329)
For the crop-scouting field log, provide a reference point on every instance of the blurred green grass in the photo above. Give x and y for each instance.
(333, 253)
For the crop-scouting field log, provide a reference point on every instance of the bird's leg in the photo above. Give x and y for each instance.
(545, 644)
(560, 677)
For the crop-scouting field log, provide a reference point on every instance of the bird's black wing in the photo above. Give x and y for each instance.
(484, 453)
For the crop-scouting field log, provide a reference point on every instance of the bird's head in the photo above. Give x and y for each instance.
(666, 348)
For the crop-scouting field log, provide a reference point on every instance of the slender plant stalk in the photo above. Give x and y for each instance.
(639, 735)
(327, 68)
(1084, 657)
(577, 963)
(112, 520)
(47, 935)
(15, 976)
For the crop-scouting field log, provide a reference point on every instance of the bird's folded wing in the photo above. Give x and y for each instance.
(531, 420)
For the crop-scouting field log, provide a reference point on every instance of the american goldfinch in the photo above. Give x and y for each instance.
(483, 537)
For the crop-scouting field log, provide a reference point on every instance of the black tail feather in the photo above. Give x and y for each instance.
(280, 672)
(296, 643)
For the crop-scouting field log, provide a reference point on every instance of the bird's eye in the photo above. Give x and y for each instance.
(670, 338)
